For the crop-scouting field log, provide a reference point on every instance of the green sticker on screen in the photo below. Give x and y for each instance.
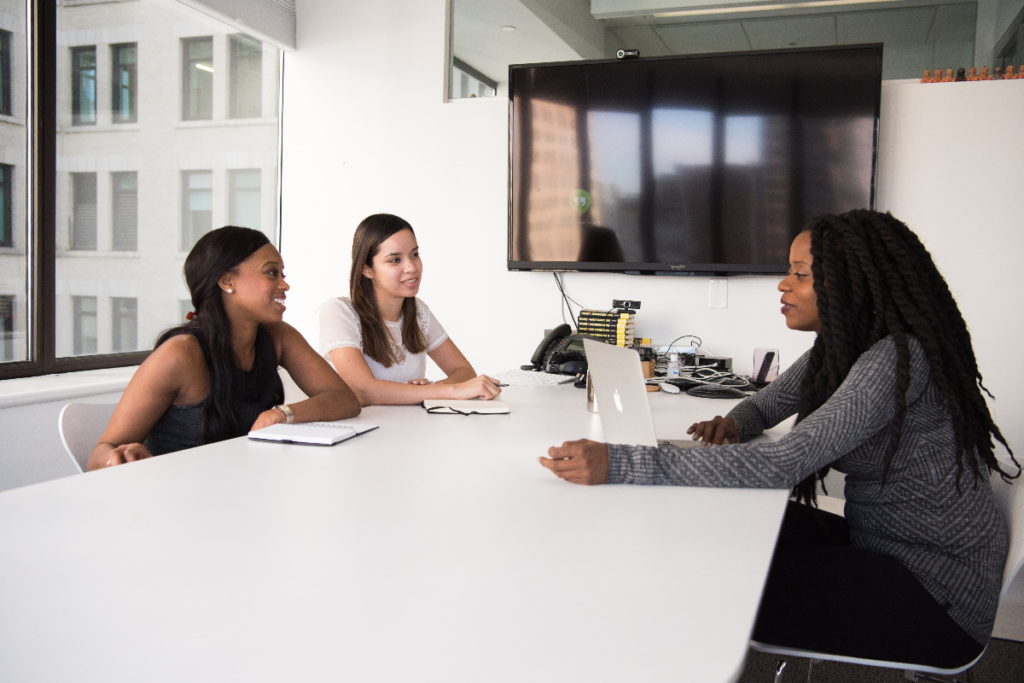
(580, 200)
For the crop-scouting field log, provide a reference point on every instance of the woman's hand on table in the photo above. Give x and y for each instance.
(481, 387)
(581, 462)
(126, 452)
(717, 430)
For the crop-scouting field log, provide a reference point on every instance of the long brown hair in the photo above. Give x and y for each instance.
(372, 231)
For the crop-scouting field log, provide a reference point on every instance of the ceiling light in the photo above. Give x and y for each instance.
(508, 28)
(765, 7)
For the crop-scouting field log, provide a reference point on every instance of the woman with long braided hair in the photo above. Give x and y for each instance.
(889, 394)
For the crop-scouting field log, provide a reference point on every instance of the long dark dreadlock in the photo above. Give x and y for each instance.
(874, 279)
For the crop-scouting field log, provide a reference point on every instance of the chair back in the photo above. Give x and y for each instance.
(1010, 501)
(80, 426)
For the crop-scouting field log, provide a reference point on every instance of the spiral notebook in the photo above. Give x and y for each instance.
(312, 433)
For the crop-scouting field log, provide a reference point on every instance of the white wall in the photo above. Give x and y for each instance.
(366, 130)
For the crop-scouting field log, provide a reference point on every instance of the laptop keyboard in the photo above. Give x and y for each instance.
(529, 378)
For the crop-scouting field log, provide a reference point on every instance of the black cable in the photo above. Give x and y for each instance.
(565, 301)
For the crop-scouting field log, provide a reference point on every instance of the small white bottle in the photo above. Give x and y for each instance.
(673, 365)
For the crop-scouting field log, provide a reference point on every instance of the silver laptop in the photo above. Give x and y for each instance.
(622, 396)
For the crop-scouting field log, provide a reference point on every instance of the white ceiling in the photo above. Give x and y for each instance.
(479, 41)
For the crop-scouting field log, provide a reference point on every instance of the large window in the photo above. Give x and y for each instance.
(245, 90)
(90, 263)
(197, 79)
(124, 213)
(83, 85)
(83, 213)
(122, 85)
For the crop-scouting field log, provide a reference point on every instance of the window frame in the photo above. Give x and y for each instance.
(5, 73)
(118, 67)
(43, 93)
(188, 84)
(41, 215)
(76, 86)
(117, 194)
(6, 210)
(241, 49)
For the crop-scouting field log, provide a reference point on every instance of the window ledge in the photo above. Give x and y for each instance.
(64, 386)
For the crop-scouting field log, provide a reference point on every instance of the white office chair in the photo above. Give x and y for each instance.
(1010, 501)
(80, 426)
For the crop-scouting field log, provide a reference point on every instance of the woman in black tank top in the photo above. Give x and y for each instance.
(216, 376)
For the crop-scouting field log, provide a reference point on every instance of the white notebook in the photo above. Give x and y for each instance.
(466, 407)
(314, 433)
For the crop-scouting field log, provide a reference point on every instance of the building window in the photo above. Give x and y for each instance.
(6, 200)
(246, 90)
(197, 79)
(83, 85)
(123, 85)
(245, 198)
(102, 210)
(83, 212)
(124, 211)
(84, 312)
(196, 206)
(6, 327)
(5, 72)
(124, 314)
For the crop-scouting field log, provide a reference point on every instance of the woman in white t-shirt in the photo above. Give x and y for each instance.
(378, 338)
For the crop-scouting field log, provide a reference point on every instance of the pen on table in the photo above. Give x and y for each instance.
(502, 385)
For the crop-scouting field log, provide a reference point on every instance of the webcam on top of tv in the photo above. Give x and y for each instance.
(627, 54)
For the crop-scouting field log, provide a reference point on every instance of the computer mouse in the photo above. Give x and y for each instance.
(669, 388)
(715, 391)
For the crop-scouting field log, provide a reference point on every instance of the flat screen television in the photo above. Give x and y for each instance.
(705, 164)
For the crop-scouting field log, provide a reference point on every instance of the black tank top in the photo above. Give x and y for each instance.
(181, 427)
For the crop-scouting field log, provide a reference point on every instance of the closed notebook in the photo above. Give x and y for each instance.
(466, 407)
(314, 433)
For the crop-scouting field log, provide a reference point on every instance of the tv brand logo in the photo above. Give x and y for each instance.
(580, 200)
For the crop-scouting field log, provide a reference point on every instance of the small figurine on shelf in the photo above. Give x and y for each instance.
(926, 76)
(948, 76)
(997, 73)
(961, 74)
(1010, 73)
(984, 75)
(972, 74)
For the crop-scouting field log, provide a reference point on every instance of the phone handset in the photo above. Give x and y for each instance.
(550, 339)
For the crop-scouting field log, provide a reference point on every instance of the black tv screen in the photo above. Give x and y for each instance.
(705, 164)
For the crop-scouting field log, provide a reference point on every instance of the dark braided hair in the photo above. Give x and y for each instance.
(874, 279)
(216, 253)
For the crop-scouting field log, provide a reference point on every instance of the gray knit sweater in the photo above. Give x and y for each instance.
(954, 542)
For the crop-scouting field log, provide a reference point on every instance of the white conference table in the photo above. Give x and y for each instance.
(435, 548)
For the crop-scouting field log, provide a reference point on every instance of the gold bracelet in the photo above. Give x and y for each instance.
(286, 410)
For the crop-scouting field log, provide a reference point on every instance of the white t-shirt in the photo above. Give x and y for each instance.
(340, 328)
